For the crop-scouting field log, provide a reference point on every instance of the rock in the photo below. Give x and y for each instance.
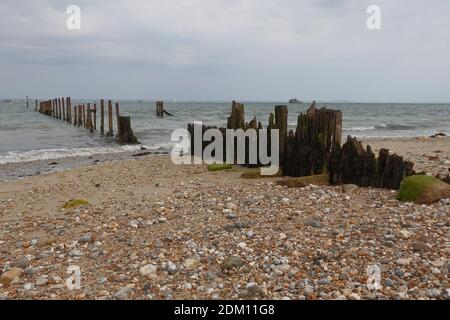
(86, 239)
(148, 270)
(405, 234)
(7, 277)
(433, 293)
(420, 246)
(284, 268)
(308, 290)
(423, 189)
(28, 286)
(30, 271)
(191, 264)
(41, 281)
(22, 263)
(134, 223)
(249, 234)
(282, 236)
(324, 282)
(232, 262)
(171, 267)
(123, 292)
(403, 261)
(74, 253)
(389, 282)
(354, 296)
(314, 223)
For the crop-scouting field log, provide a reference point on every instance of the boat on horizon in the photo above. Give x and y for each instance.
(294, 100)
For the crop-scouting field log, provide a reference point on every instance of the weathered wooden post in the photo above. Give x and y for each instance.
(69, 110)
(75, 116)
(35, 105)
(110, 120)
(84, 115)
(159, 109)
(95, 116)
(52, 102)
(125, 134)
(117, 116)
(281, 117)
(89, 125)
(63, 108)
(80, 115)
(58, 102)
(237, 117)
(102, 116)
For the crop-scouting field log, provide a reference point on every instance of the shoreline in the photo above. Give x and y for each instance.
(416, 149)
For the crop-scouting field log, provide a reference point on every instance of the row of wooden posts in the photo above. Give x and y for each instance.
(86, 115)
(314, 148)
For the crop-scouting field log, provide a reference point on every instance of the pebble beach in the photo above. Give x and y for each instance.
(149, 229)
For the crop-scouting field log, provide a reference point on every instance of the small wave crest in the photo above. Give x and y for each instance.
(51, 154)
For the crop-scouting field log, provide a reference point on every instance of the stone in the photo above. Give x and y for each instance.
(308, 290)
(231, 263)
(30, 271)
(324, 281)
(314, 223)
(420, 246)
(123, 292)
(423, 189)
(74, 253)
(403, 261)
(85, 239)
(28, 286)
(41, 281)
(22, 263)
(191, 264)
(171, 267)
(7, 277)
(148, 270)
(405, 234)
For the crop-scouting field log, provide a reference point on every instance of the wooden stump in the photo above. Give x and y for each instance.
(237, 117)
(126, 135)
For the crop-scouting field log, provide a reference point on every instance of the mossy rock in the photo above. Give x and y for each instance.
(74, 203)
(318, 180)
(423, 189)
(219, 167)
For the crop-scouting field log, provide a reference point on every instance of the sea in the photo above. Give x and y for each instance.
(26, 135)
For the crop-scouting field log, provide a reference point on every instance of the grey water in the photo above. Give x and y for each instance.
(26, 135)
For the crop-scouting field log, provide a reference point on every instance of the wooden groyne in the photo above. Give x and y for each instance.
(160, 111)
(85, 115)
(314, 148)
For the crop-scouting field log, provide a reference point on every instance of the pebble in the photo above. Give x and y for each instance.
(148, 270)
(74, 253)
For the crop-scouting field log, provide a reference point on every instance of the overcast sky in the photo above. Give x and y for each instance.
(226, 49)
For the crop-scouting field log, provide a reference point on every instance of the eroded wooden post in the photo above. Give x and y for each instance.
(125, 134)
(80, 115)
(63, 106)
(281, 117)
(110, 120)
(95, 116)
(102, 116)
(117, 116)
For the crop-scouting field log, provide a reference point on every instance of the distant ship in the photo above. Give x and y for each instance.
(8, 100)
(295, 101)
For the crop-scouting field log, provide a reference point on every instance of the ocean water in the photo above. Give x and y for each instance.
(26, 135)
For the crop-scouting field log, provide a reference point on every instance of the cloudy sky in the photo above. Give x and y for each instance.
(226, 49)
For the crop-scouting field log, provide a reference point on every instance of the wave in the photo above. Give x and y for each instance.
(51, 154)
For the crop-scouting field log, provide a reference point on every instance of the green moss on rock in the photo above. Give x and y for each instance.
(423, 189)
(74, 203)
